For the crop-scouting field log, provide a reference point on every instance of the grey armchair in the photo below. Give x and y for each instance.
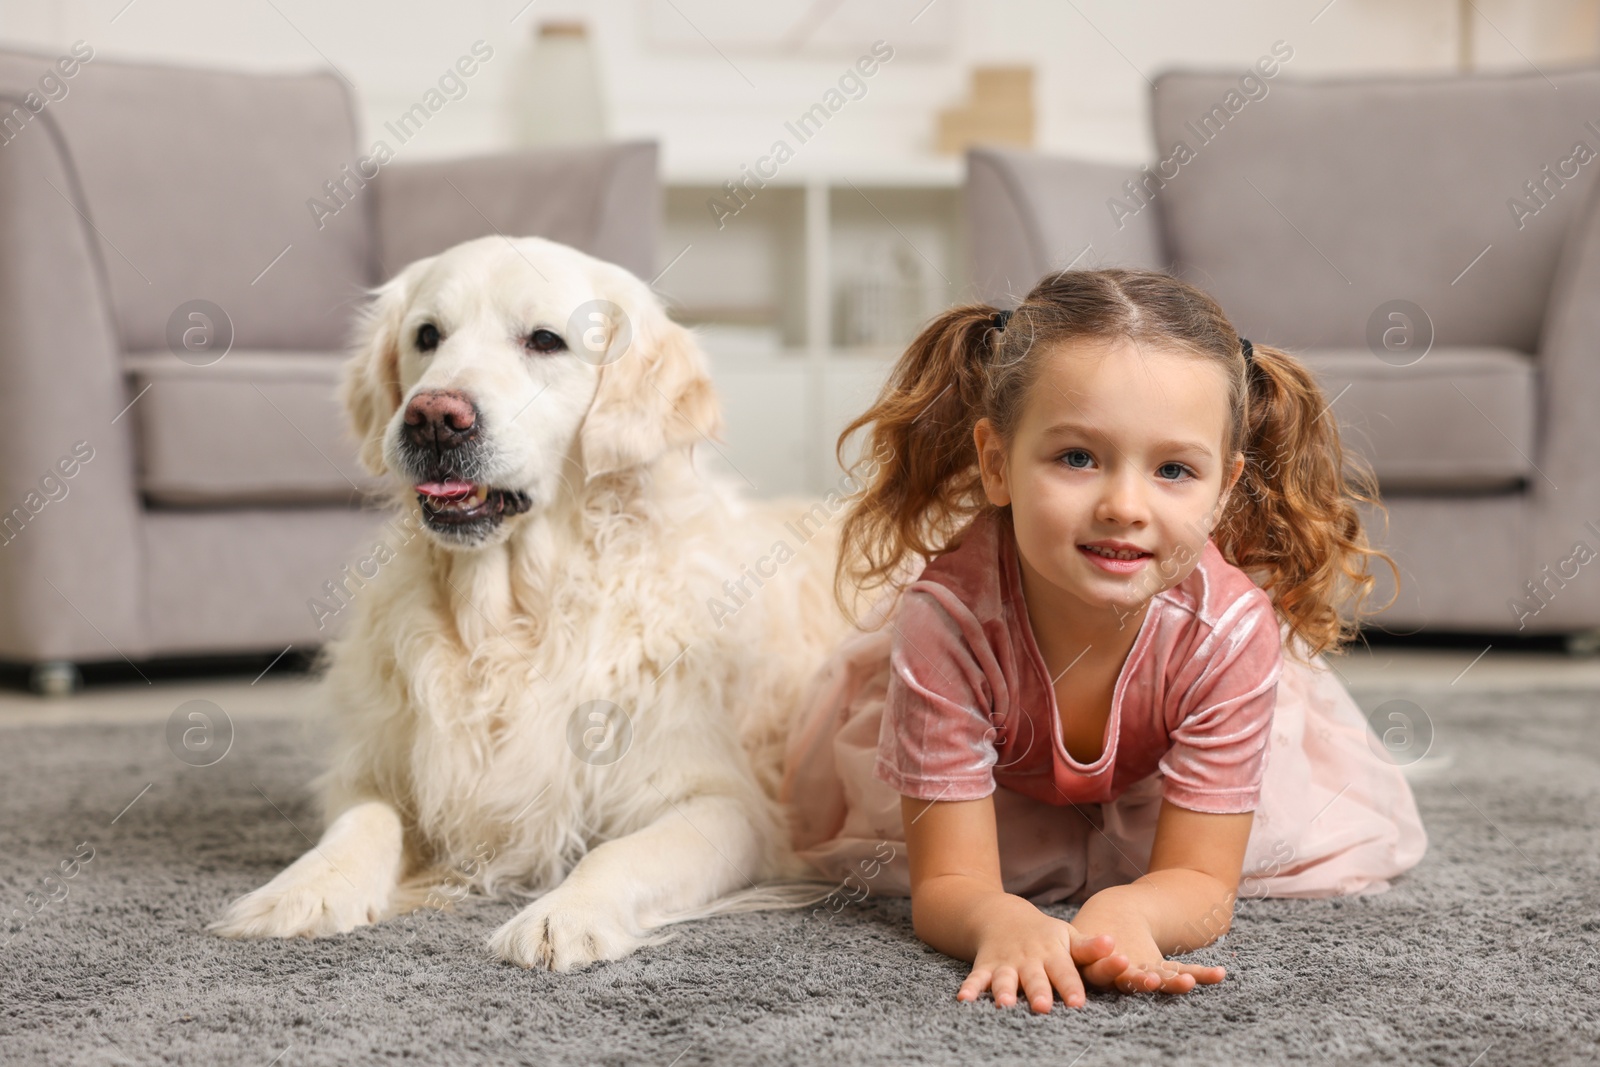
(1431, 247)
(176, 476)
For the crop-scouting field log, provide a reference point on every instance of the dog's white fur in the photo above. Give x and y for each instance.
(455, 687)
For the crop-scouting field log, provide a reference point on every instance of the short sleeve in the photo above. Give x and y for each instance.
(936, 740)
(1219, 747)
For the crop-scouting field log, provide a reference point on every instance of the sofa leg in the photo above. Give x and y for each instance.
(1584, 643)
(55, 678)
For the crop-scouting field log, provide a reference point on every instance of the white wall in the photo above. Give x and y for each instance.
(693, 74)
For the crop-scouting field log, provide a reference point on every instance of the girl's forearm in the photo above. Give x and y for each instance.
(1182, 909)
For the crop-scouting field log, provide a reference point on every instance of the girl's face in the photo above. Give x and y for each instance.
(1119, 448)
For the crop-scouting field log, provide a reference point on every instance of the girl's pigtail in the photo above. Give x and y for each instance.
(926, 481)
(1292, 523)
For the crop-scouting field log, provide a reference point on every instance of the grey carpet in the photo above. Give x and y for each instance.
(1485, 954)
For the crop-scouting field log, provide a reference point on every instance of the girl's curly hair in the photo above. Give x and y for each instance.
(1292, 522)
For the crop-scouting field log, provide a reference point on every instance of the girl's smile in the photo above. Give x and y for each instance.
(1112, 557)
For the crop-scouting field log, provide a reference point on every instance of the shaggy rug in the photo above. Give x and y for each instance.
(114, 854)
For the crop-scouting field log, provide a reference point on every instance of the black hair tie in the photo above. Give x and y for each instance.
(1000, 318)
(1249, 349)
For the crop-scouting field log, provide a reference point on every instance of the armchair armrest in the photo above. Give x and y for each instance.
(1029, 214)
(1565, 504)
(70, 543)
(604, 200)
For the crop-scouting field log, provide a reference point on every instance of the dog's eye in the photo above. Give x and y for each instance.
(544, 341)
(427, 337)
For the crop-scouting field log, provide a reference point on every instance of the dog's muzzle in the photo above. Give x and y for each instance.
(443, 446)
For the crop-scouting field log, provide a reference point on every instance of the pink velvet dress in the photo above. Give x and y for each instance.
(951, 700)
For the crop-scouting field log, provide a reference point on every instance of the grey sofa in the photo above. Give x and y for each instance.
(176, 476)
(1430, 245)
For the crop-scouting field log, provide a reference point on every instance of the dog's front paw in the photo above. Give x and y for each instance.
(310, 898)
(561, 932)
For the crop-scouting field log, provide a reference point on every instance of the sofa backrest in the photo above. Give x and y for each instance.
(1305, 209)
(603, 199)
(195, 183)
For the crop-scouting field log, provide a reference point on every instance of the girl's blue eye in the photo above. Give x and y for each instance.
(1073, 452)
(1182, 470)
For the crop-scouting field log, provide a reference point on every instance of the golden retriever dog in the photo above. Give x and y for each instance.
(576, 685)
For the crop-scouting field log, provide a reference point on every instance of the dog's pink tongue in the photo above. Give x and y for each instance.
(446, 490)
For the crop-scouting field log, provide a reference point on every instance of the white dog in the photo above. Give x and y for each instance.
(579, 683)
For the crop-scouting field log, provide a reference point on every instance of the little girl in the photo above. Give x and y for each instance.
(1128, 511)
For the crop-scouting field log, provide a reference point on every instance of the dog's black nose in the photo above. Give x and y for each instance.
(441, 418)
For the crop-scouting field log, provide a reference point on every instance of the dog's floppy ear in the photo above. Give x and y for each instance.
(369, 388)
(655, 392)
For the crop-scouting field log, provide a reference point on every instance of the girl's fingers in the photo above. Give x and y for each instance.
(1004, 986)
(1087, 950)
(1167, 976)
(1064, 976)
(1138, 980)
(1040, 982)
(1103, 973)
(1036, 987)
(1203, 975)
(1175, 982)
(1182, 977)
(975, 984)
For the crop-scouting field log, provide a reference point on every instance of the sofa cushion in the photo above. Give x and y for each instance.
(191, 184)
(1306, 210)
(1459, 419)
(253, 428)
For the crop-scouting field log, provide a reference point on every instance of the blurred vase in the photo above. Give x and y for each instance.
(556, 89)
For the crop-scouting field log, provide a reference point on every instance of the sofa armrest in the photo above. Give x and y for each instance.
(1028, 214)
(604, 200)
(1565, 501)
(70, 545)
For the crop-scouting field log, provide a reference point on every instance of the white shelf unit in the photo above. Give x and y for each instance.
(805, 295)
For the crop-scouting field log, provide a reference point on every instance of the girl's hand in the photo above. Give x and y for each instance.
(1021, 944)
(1142, 967)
